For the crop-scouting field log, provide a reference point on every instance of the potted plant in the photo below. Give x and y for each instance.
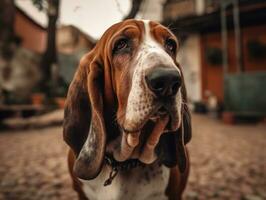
(37, 97)
(59, 93)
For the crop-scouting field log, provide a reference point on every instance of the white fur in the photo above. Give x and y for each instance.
(142, 183)
(141, 100)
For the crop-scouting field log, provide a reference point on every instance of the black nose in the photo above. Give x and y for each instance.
(163, 82)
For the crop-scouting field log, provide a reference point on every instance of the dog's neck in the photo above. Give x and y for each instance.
(141, 182)
(117, 166)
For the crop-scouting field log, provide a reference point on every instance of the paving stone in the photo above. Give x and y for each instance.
(252, 197)
(227, 162)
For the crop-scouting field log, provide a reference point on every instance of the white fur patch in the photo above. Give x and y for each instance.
(141, 101)
(150, 181)
(142, 183)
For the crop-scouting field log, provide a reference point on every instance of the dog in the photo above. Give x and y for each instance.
(126, 117)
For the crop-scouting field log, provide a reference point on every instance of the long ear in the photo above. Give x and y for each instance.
(186, 122)
(171, 148)
(184, 133)
(84, 127)
(183, 136)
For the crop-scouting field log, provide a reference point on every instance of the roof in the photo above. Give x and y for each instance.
(22, 12)
(87, 36)
(250, 14)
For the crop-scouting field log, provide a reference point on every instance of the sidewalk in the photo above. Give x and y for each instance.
(52, 118)
(227, 162)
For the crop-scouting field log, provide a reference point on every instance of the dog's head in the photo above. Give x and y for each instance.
(128, 89)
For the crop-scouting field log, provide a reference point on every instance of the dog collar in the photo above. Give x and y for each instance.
(117, 166)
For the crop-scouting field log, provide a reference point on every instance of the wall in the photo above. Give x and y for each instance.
(256, 33)
(189, 59)
(33, 36)
(70, 39)
(179, 9)
(151, 9)
(212, 76)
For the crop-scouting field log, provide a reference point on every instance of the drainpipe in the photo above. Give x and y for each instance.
(224, 36)
(238, 51)
(237, 37)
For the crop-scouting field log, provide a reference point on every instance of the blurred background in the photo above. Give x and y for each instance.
(223, 56)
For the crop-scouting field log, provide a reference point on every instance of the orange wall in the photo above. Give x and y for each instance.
(212, 76)
(33, 37)
(254, 33)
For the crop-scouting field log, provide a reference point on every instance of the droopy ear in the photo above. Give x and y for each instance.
(84, 127)
(183, 136)
(184, 133)
(171, 148)
(186, 122)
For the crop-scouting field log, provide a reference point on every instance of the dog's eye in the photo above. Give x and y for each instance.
(170, 45)
(121, 44)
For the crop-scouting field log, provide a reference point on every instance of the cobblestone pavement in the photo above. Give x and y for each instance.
(228, 162)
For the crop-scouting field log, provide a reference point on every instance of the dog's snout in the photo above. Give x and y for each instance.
(163, 82)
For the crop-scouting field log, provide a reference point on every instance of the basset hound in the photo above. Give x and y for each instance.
(126, 117)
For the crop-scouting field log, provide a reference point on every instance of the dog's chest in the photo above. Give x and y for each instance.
(141, 183)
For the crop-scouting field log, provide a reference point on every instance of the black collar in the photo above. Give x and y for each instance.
(117, 166)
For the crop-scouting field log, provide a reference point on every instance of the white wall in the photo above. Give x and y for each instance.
(152, 10)
(200, 7)
(189, 59)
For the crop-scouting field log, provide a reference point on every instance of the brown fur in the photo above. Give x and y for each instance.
(98, 93)
(75, 182)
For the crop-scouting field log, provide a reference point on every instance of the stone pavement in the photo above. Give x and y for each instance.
(228, 162)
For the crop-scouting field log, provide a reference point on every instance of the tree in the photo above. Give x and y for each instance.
(7, 36)
(134, 9)
(50, 55)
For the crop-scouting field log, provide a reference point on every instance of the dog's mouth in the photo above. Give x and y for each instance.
(141, 142)
(169, 110)
(160, 110)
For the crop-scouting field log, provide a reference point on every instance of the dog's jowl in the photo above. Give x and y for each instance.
(126, 116)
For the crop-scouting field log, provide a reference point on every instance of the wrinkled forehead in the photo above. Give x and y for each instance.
(157, 31)
(136, 29)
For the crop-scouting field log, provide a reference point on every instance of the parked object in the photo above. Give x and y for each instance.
(244, 94)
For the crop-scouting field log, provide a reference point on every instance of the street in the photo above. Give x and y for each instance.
(227, 162)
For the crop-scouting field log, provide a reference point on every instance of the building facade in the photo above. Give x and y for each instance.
(197, 23)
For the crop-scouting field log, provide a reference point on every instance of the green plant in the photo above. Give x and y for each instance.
(256, 49)
(213, 56)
